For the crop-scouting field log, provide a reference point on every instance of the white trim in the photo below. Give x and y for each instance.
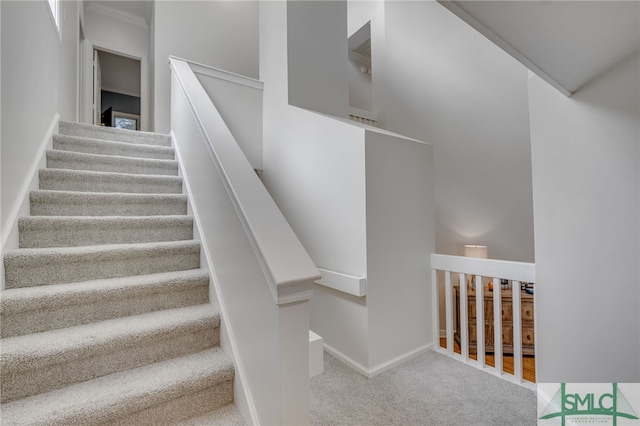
(21, 207)
(247, 400)
(118, 14)
(229, 76)
(381, 368)
(503, 44)
(488, 369)
(515, 271)
(356, 286)
(347, 360)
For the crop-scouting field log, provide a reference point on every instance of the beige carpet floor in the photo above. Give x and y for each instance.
(430, 389)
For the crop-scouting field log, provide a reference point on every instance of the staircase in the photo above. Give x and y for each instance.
(106, 317)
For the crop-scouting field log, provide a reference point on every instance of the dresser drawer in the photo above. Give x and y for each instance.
(528, 337)
(527, 311)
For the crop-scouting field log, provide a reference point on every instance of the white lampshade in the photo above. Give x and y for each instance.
(475, 251)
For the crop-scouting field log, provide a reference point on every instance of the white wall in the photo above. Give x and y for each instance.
(215, 33)
(585, 153)
(69, 57)
(360, 86)
(30, 93)
(443, 82)
(121, 37)
(239, 102)
(334, 180)
(317, 70)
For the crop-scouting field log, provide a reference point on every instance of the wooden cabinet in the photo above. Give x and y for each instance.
(528, 343)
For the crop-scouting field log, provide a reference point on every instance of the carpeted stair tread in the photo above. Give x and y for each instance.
(67, 231)
(58, 159)
(90, 181)
(108, 398)
(112, 134)
(43, 308)
(72, 203)
(106, 315)
(228, 415)
(106, 147)
(38, 350)
(43, 266)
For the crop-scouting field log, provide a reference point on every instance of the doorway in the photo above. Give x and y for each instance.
(116, 90)
(111, 74)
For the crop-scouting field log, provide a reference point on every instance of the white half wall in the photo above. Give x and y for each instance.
(221, 34)
(400, 239)
(586, 188)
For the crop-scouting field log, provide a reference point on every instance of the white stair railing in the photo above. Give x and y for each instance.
(456, 270)
(262, 275)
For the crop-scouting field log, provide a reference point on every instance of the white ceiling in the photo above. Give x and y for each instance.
(568, 43)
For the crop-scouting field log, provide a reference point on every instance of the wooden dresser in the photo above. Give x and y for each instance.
(528, 343)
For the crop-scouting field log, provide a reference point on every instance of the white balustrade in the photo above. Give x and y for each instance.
(456, 270)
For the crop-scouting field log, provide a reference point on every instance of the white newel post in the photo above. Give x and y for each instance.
(294, 347)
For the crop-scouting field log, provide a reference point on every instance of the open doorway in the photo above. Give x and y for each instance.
(360, 77)
(116, 90)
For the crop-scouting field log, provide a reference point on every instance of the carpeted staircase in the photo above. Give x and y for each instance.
(106, 318)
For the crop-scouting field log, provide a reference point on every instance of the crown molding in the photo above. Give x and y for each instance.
(118, 14)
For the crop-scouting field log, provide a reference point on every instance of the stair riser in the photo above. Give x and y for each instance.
(56, 160)
(109, 183)
(110, 134)
(66, 270)
(100, 361)
(109, 209)
(110, 148)
(87, 234)
(182, 408)
(38, 320)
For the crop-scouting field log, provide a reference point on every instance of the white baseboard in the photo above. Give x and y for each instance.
(372, 372)
(347, 360)
(400, 359)
(21, 207)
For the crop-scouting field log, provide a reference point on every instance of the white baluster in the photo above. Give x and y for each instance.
(435, 302)
(464, 320)
(480, 321)
(517, 332)
(448, 311)
(497, 325)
